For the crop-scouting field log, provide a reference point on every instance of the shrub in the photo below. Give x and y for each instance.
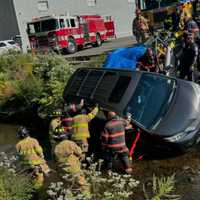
(116, 186)
(162, 189)
(26, 80)
(12, 185)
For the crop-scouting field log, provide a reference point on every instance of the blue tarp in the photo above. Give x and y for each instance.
(124, 58)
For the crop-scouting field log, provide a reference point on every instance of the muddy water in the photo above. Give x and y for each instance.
(186, 167)
(7, 136)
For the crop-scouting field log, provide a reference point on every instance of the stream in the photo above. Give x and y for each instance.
(186, 167)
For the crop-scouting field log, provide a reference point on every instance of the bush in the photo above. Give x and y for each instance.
(162, 189)
(26, 80)
(116, 186)
(14, 187)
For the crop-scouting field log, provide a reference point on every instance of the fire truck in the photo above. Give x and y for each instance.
(68, 33)
(110, 26)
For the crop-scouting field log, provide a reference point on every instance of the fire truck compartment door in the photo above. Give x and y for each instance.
(86, 32)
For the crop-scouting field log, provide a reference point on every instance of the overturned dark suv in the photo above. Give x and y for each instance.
(166, 109)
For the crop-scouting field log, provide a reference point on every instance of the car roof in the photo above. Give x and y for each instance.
(111, 88)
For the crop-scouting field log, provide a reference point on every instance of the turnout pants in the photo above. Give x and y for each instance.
(110, 156)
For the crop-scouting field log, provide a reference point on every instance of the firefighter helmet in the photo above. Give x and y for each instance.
(23, 132)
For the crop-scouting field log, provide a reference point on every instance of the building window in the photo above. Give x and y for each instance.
(91, 2)
(43, 5)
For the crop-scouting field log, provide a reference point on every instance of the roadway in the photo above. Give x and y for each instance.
(106, 47)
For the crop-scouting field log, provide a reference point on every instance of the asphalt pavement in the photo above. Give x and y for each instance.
(106, 47)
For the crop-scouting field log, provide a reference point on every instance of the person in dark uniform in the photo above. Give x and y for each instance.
(191, 26)
(188, 58)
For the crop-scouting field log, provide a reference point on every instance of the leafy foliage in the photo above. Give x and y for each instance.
(40, 80)
(162, 189)
(20, 189)
(12, 185)
(102, 187)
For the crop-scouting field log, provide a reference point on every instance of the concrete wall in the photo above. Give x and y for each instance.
(121, 10)
(8, 22)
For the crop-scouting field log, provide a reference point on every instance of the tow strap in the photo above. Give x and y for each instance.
(131, 152)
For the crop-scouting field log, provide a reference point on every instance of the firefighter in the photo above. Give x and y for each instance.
(32, 158)
(81, 132)
(68, 156)
(73, 108)
(172, 21)
(54, 125)
(147, 62)
(113, 142)
(62, 122)
(67, 124)
(64, 129)
(191, 26)
(140, 27)
(188, 58)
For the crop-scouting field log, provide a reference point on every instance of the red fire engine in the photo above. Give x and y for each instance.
(68, 33)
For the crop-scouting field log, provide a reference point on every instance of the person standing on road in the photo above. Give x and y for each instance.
(188, 58)
(140, 27)
(191, 26)
(113, 142)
